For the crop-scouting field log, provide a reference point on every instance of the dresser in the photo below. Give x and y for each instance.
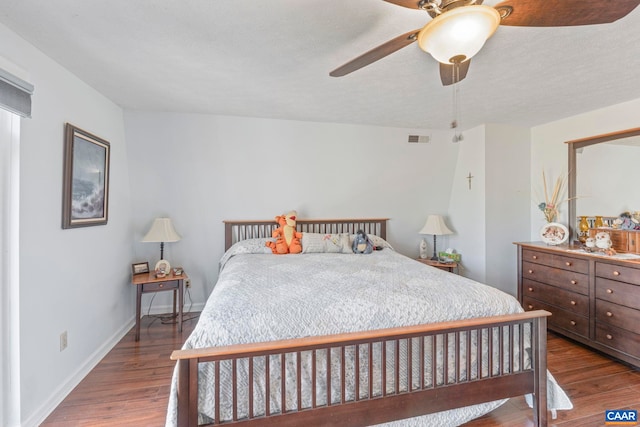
(593, 299)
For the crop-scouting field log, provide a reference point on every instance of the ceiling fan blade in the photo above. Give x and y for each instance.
(411, 4)
(563, 13)
(376, 53)
(449, 75)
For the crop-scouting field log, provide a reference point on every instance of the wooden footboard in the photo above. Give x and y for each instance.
(419, 370)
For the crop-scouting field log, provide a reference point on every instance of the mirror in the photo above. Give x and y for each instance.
(604, 172)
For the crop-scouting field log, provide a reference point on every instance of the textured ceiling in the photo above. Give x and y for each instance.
(272, 59)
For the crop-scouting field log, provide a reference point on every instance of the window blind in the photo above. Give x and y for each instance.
(15, 94)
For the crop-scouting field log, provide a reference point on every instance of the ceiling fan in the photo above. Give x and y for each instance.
(459, 28)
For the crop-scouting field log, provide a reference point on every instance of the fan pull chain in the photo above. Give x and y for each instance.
(457, 136)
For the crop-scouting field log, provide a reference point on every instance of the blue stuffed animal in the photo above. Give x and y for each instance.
(362, 244)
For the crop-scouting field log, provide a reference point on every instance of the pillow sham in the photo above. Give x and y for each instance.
(379, 241)
(248, 246)
(325, 243)
(376, 240)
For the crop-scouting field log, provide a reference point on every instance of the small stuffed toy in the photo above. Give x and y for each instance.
(603, 240)
(362, 244)
(288, 239)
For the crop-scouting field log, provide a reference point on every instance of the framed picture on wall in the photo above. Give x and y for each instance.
(85, 191)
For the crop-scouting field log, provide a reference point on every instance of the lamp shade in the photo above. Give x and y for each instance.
(161, 231)
(435, 225)
(458, 34)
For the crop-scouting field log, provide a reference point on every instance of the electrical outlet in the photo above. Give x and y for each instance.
(187, 283)
(63, 340)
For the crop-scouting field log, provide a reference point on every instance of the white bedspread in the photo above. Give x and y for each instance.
(265, 297)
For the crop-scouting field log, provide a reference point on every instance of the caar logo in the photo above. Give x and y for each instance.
(621, 417)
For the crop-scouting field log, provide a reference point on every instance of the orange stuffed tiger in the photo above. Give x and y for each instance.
(288, 239)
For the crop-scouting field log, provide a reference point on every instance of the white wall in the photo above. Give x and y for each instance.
(70, 280)
(507, 202)
(549, 152)
(467, 211)
(493, 212)
(203, 169)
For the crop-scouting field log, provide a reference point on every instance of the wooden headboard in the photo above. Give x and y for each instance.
(235, 231)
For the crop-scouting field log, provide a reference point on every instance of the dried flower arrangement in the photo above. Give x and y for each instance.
(550, 205)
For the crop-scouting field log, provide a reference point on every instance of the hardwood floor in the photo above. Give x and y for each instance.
(592, 381)
(130, 386)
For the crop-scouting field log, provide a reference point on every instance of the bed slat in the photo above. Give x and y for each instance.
(446, 387)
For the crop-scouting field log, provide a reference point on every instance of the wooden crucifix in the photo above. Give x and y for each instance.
(469, 178)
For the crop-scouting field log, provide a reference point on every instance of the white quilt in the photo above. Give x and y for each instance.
(264, 297)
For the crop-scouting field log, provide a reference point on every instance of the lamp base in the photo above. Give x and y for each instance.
(434, 257)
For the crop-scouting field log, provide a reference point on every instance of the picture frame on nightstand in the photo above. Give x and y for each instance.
(139, 268)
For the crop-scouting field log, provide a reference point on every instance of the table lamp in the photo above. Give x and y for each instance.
(435, 225)
(162, 231)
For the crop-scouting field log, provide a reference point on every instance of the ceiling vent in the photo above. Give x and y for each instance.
(422, 139)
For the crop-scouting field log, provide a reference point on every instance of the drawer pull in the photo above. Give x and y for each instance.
(609, 336)
(530, 289)
(573, 323)
(609, 314)
(616, 273)
(568, 264)
(530, 307)
(574, 282)
(535, 257)
(609, 291)
(530, 271)
(573, 303)
(161, 285)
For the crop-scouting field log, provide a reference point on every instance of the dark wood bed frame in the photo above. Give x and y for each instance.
(506, 342)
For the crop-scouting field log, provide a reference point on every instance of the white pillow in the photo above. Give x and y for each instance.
(376, 240)
(325, 243)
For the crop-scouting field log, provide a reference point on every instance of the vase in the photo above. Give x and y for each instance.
(599, 222)
(583, 226)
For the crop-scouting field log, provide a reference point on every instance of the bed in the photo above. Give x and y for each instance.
(328, 337)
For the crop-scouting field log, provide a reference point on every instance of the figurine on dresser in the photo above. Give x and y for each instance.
(603, 243)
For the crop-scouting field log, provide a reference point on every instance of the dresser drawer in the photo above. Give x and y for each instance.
(618, 272)
(537, 257)
(618, 315)
(160, 286)
(557, 261)
(634, 241)
(567, 300)
(618, 292)
(570, 280)
(619, 339)
(619, 240)
(559, 318)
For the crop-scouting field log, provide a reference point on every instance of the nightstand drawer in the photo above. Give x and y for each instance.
(160, 286)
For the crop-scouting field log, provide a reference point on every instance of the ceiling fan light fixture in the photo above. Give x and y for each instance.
(458, 34)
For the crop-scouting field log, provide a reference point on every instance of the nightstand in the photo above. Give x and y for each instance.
(448, 266)
(148, 282)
